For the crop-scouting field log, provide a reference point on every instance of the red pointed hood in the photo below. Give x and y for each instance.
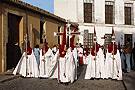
(72, 40)
(112, 31)
(29, 49)
(61, 48)
(64, 36)
(27, 31)
(94, 31)
(46, 48)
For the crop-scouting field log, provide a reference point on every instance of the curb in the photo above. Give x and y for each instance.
(9, 78)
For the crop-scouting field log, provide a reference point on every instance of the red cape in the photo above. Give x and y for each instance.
(110, 48)
(29, 49)
(93, 49)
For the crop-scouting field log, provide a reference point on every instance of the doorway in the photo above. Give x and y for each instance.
(13, 37)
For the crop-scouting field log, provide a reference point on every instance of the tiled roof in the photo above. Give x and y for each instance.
(24, 5)
(31, 7)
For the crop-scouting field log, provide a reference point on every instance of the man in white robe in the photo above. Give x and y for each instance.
(93, 67)
(46, 66)
(74, 52)
(101, 63)
(67, 68)
(32, 68)
(113, 63)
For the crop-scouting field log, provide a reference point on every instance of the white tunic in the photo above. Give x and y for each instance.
(90, 70)
(113, 67)
(46, 67)
(32, 67)
(67, 68)
(76, 61)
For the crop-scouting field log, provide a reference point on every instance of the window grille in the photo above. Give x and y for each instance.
(88, 12)
(128, 13)
(109, 13)
(88, 39)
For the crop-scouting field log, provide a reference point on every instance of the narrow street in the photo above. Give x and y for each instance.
(52, 84)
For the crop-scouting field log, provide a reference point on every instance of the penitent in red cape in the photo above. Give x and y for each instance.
(93, 49)
(110, 48)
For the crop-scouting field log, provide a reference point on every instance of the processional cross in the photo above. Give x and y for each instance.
(95, 42)
(113, 40)
(44, 37)
(68, 33)
(26, 40)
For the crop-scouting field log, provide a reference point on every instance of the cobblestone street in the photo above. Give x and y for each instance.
(51, 84)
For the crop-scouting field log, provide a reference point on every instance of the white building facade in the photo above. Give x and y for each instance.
(101, 14)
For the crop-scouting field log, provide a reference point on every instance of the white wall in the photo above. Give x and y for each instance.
(66, 9)
(99, 11)
(74, 9)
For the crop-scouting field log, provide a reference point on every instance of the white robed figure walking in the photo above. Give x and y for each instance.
(113, 66)
(92, 70)
(74, 52)
(67, 67)
(46, 62)
(29, 68)
(113, 61)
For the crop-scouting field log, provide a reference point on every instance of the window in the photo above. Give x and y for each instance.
(88, 12)
(126, 36)
(128, 17)
(58, 36)
(41, 31)
(88, 4)
(109, 12)
(88, 39)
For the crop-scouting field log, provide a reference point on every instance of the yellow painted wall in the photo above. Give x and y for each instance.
(28, 18)
(34, 19)
(51, 27)
(1, 37)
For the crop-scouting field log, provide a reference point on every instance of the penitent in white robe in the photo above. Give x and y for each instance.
(32, 67)
(46, 67)
(67, 67)
(90, 70)
(113, 71)
(101, 64)
(76, 61)
(54, 73)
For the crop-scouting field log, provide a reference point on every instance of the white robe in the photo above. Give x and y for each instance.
(85, 59)
(101, 64)
(76, 61)
(90, 70)
(32, 67)
(47, 66)
(54, 73)
(113, 71)
(67, 68)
